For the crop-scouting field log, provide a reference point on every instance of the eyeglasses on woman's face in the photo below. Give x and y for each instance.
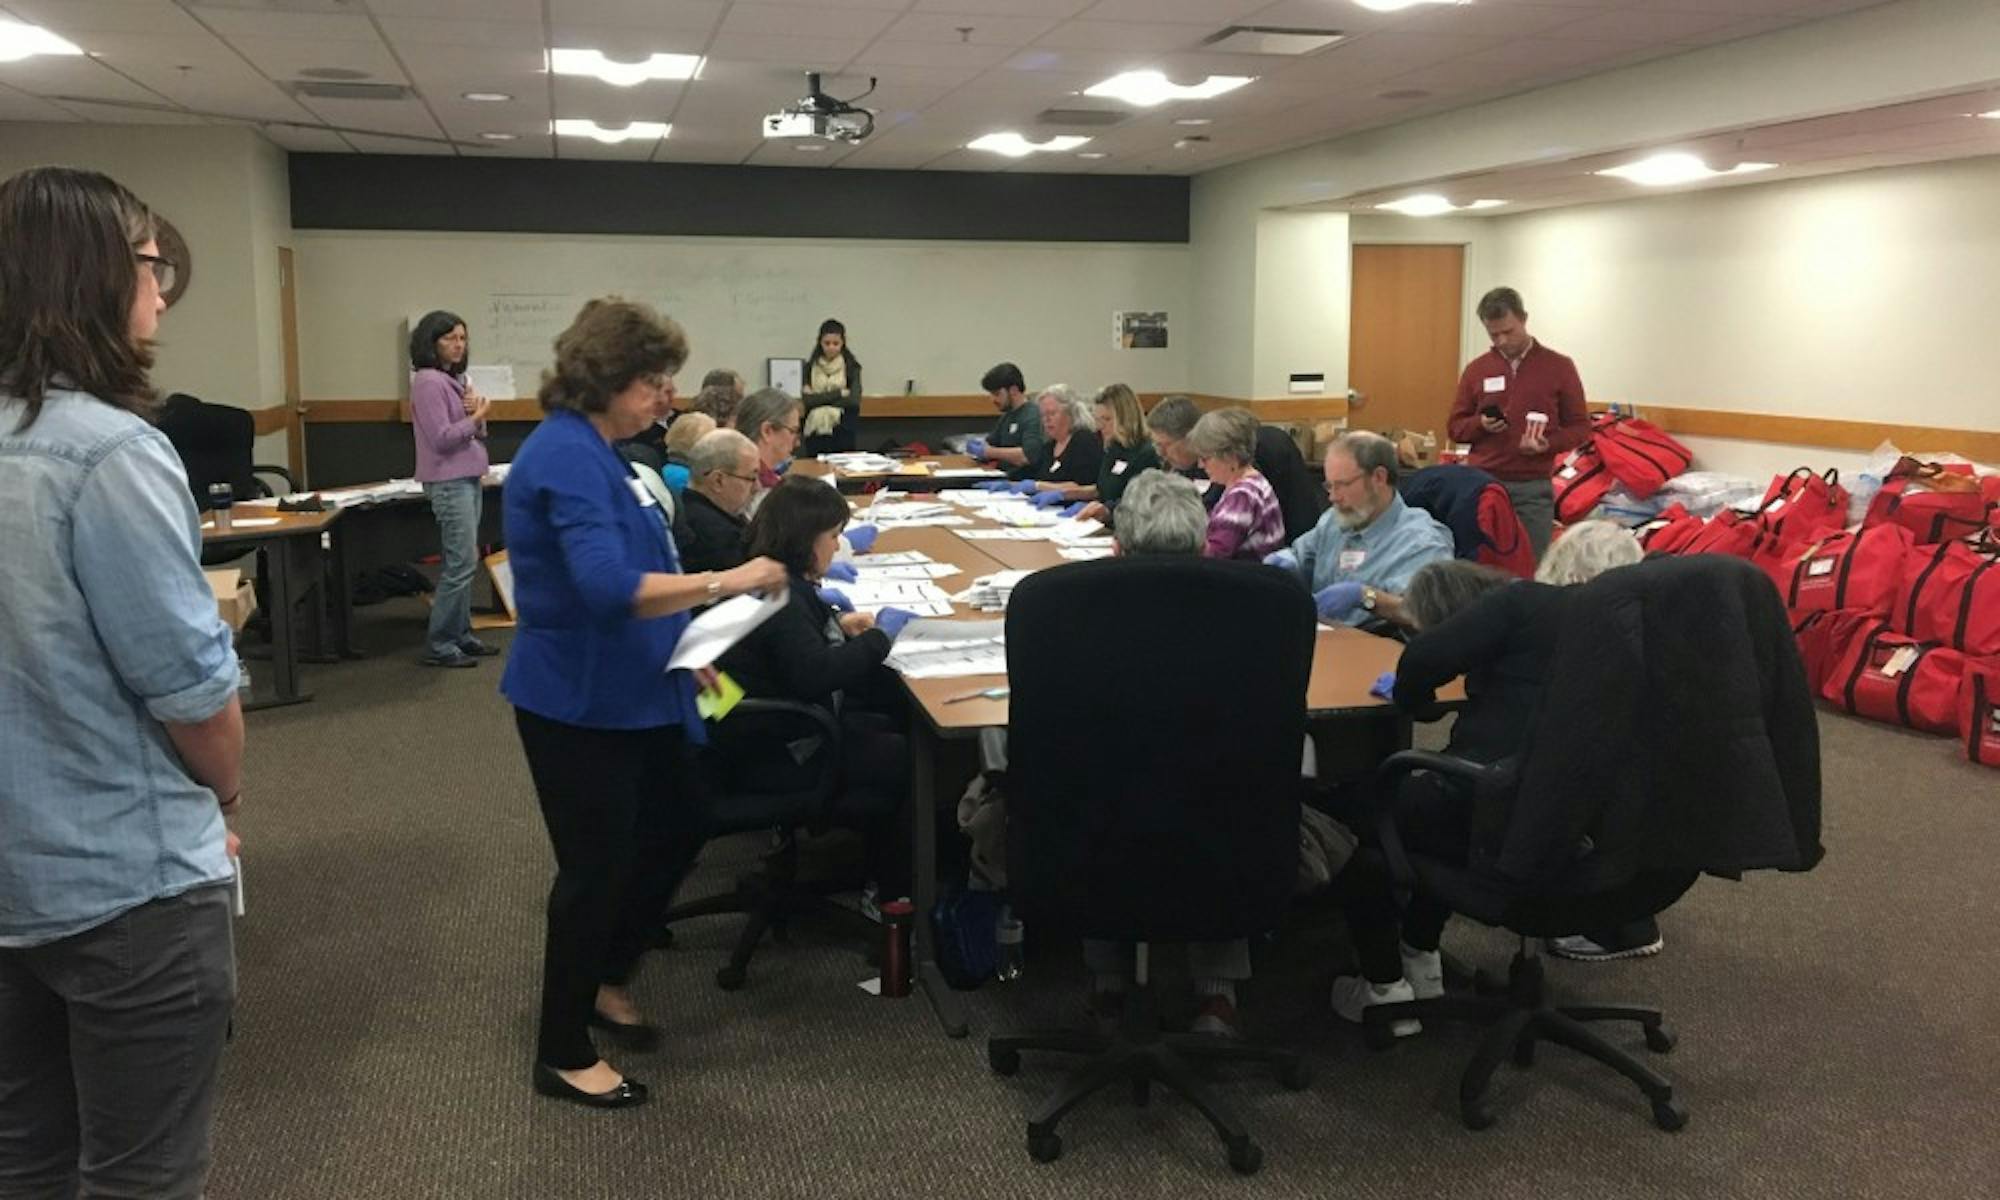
(164, 270)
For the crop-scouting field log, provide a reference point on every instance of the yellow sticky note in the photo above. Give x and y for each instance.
(716, 703)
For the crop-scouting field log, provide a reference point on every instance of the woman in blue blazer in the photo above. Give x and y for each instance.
(605, 727)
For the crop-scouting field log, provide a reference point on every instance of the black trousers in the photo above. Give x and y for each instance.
(626, 816)
(1434, 818)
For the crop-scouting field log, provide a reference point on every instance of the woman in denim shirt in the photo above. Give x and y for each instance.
(605, 727)
(121, 740)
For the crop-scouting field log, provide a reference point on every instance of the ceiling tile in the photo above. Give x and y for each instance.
(1036, 8)
(19, 106)
(380, 145)
(796, 20)
(307, 141)
(1644, 25)
(655, 14)
(805, 53)
(986, 29)
(71, 18)
(967, 57)
(468, 15)
(288, 57)
(416, 37)
(1213, 13)
(1108, 35)
(116, 115)
(71, 76)
(233, 23)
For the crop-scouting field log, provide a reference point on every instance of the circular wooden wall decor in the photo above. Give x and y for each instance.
(174, 248)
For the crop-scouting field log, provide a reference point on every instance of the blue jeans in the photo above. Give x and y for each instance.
(455, 503)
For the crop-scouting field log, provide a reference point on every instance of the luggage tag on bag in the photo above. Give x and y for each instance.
(1822, 566)
(1900, 661)
(1775, 505)
(1568, 472)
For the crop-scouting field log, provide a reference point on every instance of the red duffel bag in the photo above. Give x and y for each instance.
(1580, 481)
(1979, 713)
(1859, 570)
(1801, 506)
(1670, 532)
(1935, 502)
(1952, 595)
(1888, 676)
(1639, 454)
(1728, 532)
(1822, 636)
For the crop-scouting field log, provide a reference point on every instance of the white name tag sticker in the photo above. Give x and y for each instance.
(639, 493)
(1902, 660)
(1351, 560)
(1495, 383)
(1775, 505)
(1821, 566)
(1567, 472)
(1118, 468)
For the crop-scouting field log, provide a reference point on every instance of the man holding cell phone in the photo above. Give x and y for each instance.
(1519, 406)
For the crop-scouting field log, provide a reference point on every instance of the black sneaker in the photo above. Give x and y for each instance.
(449, 660)
(477, 649)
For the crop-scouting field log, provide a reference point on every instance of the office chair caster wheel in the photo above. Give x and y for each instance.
(1296, 1076)
(1670, 1115)
(1661, 1038)
(1044, 1147)
(1142, 1091)
(1475, 1116)
(1245, 1156)
(1002, 1060)
(730, 979)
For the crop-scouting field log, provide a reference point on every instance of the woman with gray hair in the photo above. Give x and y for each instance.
(1070, 452)
(1586, 550)
(1246, 522)
(1160, 514)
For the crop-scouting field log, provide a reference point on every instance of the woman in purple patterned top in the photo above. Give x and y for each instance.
(1247, 522)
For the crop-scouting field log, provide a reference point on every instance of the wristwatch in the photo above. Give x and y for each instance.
(1368, 598)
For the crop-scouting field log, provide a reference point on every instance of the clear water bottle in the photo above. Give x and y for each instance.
(1008, 933)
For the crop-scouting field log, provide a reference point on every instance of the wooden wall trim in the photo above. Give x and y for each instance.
(1287, 408)
(1826, 432)
(272, 420)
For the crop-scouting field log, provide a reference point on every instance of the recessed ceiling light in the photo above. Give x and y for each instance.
(19, 41)
(1013, 145)
(594, 64)
(1148, 88)
(1092, 154)
(499, 137)
(487, 97)
(1400, 5)
(1194, 121)
(1430, 204)
(579, 127)
(1665, 170)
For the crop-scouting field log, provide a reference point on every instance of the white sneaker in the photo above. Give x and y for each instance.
(1352, 994)
(1425, 971)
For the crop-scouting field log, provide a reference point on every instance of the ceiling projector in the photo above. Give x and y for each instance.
(822, 116)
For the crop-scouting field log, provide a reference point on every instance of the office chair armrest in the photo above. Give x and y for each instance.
(821, 723)
(291, 484)
(1483, 777)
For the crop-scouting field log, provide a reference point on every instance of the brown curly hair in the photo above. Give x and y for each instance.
(611, 343)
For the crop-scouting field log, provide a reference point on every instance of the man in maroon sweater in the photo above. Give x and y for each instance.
(1519, 405)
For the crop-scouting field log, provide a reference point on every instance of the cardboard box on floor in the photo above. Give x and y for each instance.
(235, 598)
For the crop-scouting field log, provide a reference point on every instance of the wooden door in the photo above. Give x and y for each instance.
(1404, 319)
(295, 410)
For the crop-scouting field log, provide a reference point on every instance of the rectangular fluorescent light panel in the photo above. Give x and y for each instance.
(636, 131)
(1013, 145)
(1665, 170)
(19, 41)
(594, 64)
(1271, 39)
(1430, 204)
(1148, 88)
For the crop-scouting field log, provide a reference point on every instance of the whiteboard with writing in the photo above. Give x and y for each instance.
(934, 314)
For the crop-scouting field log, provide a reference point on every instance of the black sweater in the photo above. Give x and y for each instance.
(1078, 463)
(707, 538)
(800, 653)
(1503, 644)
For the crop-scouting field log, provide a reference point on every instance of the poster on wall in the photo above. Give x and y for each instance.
(1139, 330)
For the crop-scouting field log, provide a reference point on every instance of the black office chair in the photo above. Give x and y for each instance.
(217, 445)
(1157, 799)
(746, 800)
(1676, 739)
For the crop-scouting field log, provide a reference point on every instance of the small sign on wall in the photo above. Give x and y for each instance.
(1139, 330)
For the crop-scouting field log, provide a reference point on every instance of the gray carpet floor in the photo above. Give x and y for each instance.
(1838, 1029)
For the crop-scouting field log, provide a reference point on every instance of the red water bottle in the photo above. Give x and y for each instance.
(896, 918)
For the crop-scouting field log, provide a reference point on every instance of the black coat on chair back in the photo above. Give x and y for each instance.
(1677, 733)
(1157, 714)
(215, 442)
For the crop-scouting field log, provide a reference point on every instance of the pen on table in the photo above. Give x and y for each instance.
(994, 693)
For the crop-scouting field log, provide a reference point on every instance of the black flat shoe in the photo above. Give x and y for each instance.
(642, 1037)
(628, 1093)
(478, 649)
(460, 661)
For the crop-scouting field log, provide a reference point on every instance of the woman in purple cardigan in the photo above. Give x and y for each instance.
(449, 418)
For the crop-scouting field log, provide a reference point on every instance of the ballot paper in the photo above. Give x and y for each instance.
(974, 498)
(494, 381)
(1085, 551)
(919, 596)
(1072, 530)
(907, 510)
(1042, 534)
(990, 592)
(861, 463)
(966, 473)
(891, 558)
(372, 494)
(1025, 517)
(925, 570)
(722, 626)
(246, 522)
(946, 649)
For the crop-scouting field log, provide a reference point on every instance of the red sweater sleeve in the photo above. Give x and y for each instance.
(1572, 414)
(1463, 424)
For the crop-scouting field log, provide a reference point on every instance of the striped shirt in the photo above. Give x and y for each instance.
(1246, 523)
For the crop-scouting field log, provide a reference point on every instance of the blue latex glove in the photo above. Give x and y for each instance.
(1385, 685)
(1048, 499)
(975, 447)
(1024, 488)
(1071, 510)
(834, 599)
(994, 485)
(1336, 600)
(892, 620)
(842, 572)
(1282, 558)
(861, 537)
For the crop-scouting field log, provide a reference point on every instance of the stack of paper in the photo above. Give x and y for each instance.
(919, 596)
(373, 494)
(923, 570)
(1083, 551)
(989, 593)
(1042, 534)
(861, 463)
(906, 510)
(975, 499)
(1072, 530)
(943, 649)
(967, 473)
(893, 558)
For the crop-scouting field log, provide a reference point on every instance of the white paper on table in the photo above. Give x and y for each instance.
(892, 558)
(1084, 553)
(974, 498)
(877, 593)
(966, 473)
(1040, 534)
(920, 608)
(924, 522)
(1026, 518)
(946, 649)
(1072, 529)
(246, 522)
(495, 382)
(906, 571)
(722, 626)
(258, 502)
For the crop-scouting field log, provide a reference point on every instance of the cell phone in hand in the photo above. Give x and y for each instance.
(1492, 412)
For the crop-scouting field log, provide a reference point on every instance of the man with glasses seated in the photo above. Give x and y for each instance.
(710, 524)
(1360, 556)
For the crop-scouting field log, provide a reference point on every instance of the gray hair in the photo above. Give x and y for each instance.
(1160, 513)
(1369, 451)
(765, 406)
(1078, 404)
(1225, 433)
(1586, 550)
(1440, 589)
(1174, 416)
(720, 450)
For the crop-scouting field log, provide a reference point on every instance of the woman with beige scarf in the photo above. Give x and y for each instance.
(832, 392)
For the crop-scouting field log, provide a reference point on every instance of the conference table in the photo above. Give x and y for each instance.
(1351, 729)
(299, 553)
(916, 474)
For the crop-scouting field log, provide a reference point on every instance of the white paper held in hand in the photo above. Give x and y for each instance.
(721, 627)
